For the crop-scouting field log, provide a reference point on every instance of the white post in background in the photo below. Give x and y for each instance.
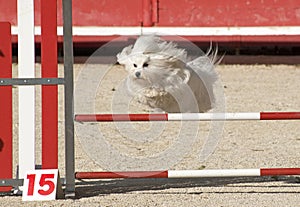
(26, 60)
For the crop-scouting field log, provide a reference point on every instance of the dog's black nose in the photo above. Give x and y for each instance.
(137, 74)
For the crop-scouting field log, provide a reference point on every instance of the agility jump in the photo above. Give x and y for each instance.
(50, 109)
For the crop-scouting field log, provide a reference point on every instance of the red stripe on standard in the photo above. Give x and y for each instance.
(279, 171)
(279, 115)
(49, 92)
(111, 175)
(6, 143)
(120, 117)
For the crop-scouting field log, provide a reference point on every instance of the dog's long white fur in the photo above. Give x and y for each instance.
(162, 77)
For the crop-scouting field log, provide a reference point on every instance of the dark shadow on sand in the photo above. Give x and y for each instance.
(90, 188)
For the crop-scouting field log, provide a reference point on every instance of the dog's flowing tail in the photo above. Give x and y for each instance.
(204, 67)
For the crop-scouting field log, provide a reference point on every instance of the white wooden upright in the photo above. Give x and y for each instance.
(26, 60)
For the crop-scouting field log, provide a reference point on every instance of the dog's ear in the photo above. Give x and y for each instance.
(123, 57)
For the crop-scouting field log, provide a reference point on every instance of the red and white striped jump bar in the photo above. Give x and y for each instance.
(187, 117)
(190, 173)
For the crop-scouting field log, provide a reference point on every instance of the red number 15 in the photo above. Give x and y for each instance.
(44, 181)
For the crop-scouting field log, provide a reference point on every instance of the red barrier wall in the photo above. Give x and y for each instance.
(208, 13)
(177, 13)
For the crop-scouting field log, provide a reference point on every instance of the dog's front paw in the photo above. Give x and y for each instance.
(154, 92)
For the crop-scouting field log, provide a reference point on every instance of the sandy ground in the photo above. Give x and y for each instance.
(247, 144)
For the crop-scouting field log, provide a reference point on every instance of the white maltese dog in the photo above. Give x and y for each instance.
(162, 76)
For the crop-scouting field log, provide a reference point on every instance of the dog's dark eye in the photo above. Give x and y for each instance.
(145, 65)
(134, 65)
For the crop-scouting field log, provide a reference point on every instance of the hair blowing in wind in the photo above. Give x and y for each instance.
(163, 76)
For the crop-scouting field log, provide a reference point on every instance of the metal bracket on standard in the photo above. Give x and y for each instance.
(31, 81)
(14, 183)
(11, 182)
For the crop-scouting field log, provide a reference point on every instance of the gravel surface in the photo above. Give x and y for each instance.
(247, 144)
